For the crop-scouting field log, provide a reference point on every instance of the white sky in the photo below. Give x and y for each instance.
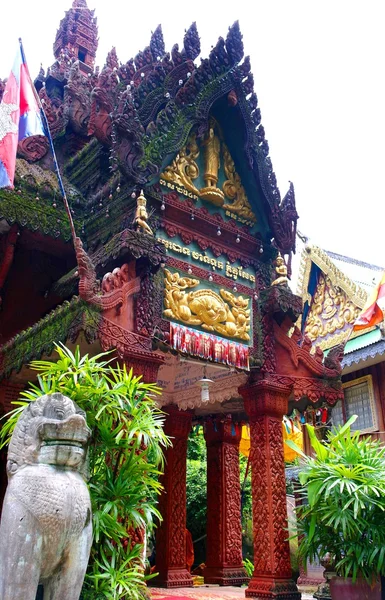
(319, 70)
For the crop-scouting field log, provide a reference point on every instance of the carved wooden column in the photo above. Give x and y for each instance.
(171, 534)
(266, 403)
(224, 530)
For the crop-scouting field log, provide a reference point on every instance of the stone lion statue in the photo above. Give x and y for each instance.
(46, 525)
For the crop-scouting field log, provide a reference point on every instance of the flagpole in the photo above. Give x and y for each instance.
(48, 134)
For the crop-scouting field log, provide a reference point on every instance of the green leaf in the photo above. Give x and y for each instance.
(320, 450)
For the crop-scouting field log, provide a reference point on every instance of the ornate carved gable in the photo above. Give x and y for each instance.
(331, 314)
(332, 301)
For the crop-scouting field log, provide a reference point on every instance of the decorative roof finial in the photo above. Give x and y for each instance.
(77, 35)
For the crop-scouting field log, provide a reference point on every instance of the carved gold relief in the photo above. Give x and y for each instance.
(223, 313)
(234, 189)
(183, 169)
(330, 311)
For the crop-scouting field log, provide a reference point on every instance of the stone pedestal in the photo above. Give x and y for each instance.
(266, 403)
(224, 530)
(171, 534)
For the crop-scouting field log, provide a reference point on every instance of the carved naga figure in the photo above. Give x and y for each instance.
(46, 526)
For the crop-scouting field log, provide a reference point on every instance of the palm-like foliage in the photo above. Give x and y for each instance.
(126, 456)
(343, 493)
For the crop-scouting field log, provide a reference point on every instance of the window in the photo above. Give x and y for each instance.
(358, 400)
(82, 54)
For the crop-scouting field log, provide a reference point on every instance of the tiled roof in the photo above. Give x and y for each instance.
(363, 274)
(364, 354)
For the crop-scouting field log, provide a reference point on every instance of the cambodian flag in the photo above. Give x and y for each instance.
(19, 117)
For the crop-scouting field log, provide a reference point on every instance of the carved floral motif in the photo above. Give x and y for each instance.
(33, 148)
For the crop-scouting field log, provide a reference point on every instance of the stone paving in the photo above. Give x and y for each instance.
(206, 592)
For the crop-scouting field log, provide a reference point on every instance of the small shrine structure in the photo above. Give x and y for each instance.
(181, 270)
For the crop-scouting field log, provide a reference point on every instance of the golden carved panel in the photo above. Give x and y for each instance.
(225, 313)
(234, 190)
(331, 310)
(184, 170)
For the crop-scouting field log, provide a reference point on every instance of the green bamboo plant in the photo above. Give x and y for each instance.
(343, 502)
(126, 457)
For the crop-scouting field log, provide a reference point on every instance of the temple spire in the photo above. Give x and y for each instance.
(77, 36)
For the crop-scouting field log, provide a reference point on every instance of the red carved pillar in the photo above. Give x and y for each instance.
(266, 403)
(171, 534)
(224, 530)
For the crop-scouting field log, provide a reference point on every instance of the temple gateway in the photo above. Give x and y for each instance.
(182, 269)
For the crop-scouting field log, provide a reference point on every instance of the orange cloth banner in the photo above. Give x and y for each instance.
(374, 309)
(295, 434)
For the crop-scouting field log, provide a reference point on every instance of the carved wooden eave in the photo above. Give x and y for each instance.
(345, 299)
(221, 391)
(179, 379)
(129, 243)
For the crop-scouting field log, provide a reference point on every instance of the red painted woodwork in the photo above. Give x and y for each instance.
(147, 367)
(26, 295)
(8, 252)
(171, 534)
(9, 392)
(224, 530)
(266, 403)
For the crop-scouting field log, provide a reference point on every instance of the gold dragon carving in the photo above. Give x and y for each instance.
(331, 310)
(223, 313)
(184, 169)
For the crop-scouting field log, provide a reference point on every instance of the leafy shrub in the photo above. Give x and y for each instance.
(249, 567)
(343, 493)
(126, 457)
